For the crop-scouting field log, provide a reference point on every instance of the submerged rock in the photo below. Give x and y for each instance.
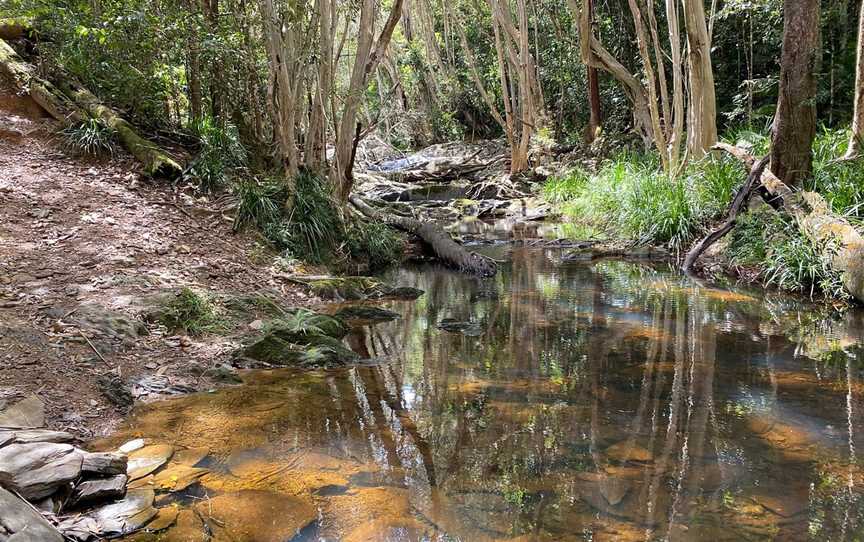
(257, 516)
(470, 329)
(36, 470)
(21, 523)
(365, 313)
(147, 460)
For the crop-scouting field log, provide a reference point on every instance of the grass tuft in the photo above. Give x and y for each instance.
(191, 312)
(91, 137)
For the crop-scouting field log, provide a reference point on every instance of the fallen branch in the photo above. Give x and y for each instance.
(841, 244)
(738, 203)
(445, 248)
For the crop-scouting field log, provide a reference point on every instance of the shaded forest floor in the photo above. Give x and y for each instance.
(83, 244)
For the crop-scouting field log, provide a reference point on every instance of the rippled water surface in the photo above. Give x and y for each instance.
(587, 401)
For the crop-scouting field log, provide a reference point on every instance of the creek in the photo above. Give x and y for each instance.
(600, 400)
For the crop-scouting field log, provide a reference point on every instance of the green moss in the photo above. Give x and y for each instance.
(189, 311)
(366, 313)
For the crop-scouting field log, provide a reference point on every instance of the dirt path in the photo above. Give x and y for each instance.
(77, 234)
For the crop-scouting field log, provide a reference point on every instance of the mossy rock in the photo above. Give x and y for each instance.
(360, 288)
(321, 324)
(315, 350)
(346, 288)
(366, 313)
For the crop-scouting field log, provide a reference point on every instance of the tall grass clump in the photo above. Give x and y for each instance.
(220, 155)
(91, 137)
(629, 197)
(313, 228)
(373, 243)
(259, 202)
(841, 182)
(772, 244)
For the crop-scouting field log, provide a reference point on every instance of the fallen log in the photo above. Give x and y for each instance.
(445, 248)
(155, 161)
(74, 103)
(738, 203)
(841, 244)
(42, 92)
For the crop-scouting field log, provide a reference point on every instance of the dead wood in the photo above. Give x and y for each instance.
(738, 203)
(445, 248)
(840, 243)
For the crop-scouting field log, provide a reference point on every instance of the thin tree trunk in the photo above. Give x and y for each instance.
(794, 125)
(855, 142)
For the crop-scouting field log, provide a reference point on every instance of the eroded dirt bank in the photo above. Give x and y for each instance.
(83, 245)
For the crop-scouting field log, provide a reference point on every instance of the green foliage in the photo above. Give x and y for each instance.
(220, 155)
(630, 196)
(840, 181)
(374, 242)
(313, 228)
(773, 244)
(301, 322)
(91, 137)
(259, 202)
(191, 312)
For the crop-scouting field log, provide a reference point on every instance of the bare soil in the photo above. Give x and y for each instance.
(77, 233)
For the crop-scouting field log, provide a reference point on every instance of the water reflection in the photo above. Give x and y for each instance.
(607, 401)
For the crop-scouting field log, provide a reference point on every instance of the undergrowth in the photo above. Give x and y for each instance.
(313, 230)
(220, 156)
(630, 198)
(91, 137)
(191, 312)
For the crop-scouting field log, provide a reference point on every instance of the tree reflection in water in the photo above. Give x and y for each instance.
(602, 401)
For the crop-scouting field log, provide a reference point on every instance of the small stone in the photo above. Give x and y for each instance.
(104, 463)
(103, 489)
(93, 402)
(131, 446)
(152, 366)
(256, 325)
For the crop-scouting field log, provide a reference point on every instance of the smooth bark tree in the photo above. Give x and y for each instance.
(794, 127)
(702, 117)
(594, 115)
(369, 53)
(855, 142)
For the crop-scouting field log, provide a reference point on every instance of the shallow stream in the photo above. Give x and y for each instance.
(574, 401)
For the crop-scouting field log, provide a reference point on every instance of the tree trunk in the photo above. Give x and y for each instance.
(445, 248)
(794, 125)
(855, 142)
(702, 125)
(77, 104)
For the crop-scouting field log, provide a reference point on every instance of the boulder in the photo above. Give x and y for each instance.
(20, 523)
(112, 520)
(36, 470)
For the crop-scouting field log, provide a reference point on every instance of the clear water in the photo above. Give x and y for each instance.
(588, 401)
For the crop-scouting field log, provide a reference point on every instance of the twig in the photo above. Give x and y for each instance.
(94, 348)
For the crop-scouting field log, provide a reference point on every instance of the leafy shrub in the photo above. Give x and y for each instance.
(313, 228)
(566, 187)
(91, 137)
(219, 156)
(786, 259)
(191, 312)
